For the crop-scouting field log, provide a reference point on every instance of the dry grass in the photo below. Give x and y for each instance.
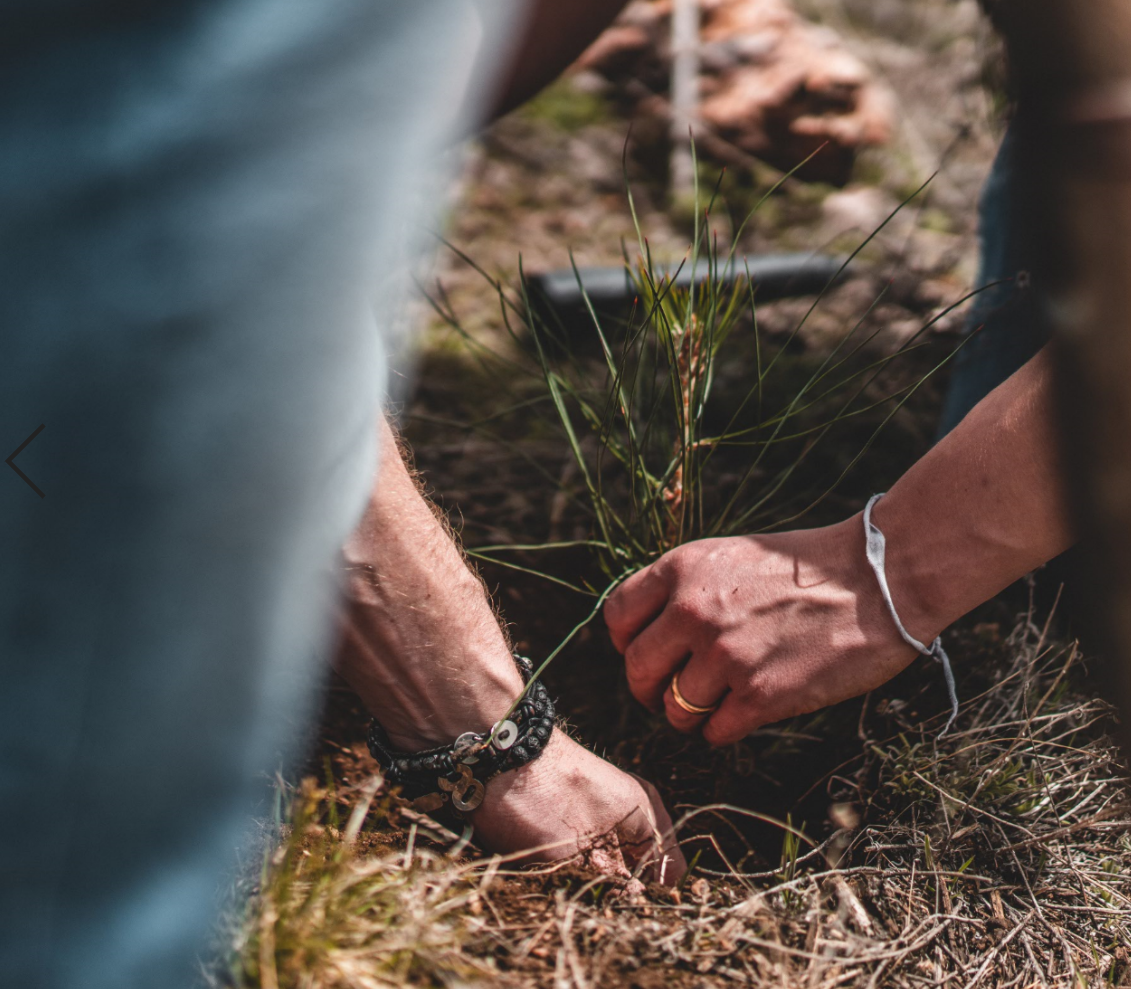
(341, 907)
(999, 856)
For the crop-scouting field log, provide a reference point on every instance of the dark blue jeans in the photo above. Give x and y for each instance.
(200, 200)
(1004, 325)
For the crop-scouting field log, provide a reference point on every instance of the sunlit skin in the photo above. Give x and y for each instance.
(421, 644)
(776, 625)
(424, 651)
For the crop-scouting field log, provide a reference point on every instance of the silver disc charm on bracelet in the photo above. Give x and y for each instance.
(503, 735)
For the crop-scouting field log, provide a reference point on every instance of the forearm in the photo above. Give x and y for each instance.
(424, 650)
(411, 596)
(771, 626)
(556, 33)
(981, 509)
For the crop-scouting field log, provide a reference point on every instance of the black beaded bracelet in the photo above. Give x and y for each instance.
(458, 774)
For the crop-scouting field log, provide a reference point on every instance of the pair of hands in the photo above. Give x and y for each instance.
(767, 627)
(771, 626)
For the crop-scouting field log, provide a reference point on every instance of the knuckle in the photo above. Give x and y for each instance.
(641, 696)
(613, 612)
(676, 564)
(662, 571)
(688, 609)
(751, 691)
(721, 735)
(641, 681)
(619, 640)
(731, 656)
(636, 685)
(635, 661)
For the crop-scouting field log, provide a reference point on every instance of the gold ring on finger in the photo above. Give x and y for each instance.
(684, 703)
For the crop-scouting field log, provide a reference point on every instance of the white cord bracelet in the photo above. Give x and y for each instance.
(875, 546)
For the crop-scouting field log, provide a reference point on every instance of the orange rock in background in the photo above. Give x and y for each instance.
(772, 85)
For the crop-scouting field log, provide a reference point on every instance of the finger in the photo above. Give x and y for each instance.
(634, 604)
(702, 683)
(652, 658)
(666, 864)
(736, 718)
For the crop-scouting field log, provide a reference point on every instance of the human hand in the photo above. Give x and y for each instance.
(424, 650)
(427, 690)
(766, 627)
(570, 801)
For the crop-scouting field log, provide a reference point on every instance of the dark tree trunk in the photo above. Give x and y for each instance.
(1071, 62)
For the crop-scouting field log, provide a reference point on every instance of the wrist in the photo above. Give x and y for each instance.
(510, 794)
(454, 775)
(843, 569)
(920, 590)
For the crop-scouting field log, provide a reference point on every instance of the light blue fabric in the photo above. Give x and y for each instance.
(199, 201)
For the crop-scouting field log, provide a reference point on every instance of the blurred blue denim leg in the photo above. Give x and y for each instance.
(199, 199)
(1003, 327)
